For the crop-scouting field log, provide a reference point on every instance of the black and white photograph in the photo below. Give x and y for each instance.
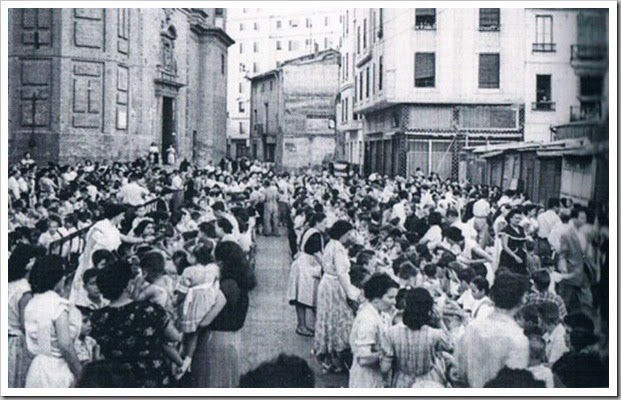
(309, 198)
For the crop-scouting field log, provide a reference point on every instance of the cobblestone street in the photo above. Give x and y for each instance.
(270, 325)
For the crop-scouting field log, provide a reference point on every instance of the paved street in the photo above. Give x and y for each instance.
(270, 325)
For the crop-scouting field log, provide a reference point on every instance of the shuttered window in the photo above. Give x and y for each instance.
(424, 70)
(489, 71)
(489, 19)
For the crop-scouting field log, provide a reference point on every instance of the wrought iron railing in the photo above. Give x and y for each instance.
(544, 47)
(582, 52)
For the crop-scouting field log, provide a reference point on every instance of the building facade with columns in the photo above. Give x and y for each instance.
(94, 83)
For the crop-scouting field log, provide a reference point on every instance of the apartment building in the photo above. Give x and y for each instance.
(265, 38)
(429, 81)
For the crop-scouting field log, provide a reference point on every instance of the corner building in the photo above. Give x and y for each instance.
(94, 83)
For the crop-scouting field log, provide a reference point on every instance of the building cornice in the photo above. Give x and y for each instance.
(218, 33)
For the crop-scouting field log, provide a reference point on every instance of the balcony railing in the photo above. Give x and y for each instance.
(582, 52)
(544, 47)
(544, 106)
(425, 26)
(585, 113)
(489, 28)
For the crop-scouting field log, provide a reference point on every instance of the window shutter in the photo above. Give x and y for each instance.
(489, 71)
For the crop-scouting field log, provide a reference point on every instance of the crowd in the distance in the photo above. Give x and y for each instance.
(405, 282)
(155, 283)
(420, 282)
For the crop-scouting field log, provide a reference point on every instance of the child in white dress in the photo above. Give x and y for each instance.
(196, 290)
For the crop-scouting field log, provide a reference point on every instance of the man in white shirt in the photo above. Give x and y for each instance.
(547, 221)
(399, 210)
(489, 344)
(13, 184)
(132, 193)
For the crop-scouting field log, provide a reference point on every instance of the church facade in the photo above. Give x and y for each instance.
(87, 83)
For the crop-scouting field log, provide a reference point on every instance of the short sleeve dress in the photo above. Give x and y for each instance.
(133, 335)
(414, 354)
(517, 244)
(305, 270)
(366, 336)
(48, 368)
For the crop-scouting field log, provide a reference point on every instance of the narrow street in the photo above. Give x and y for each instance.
(271, 322)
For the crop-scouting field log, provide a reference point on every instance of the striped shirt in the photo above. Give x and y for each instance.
(412, 352)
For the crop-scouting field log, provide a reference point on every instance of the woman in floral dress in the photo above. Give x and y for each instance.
(334, 316)
(132, 332)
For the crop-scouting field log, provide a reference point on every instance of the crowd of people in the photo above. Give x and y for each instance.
(419, 282)
(130, 267)
(405, 282)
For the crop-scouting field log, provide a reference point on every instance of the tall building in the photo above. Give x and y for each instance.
(95, 83)
(293, 121)
(349, 124)
(566, 95)
(265, 38)
(428, 81)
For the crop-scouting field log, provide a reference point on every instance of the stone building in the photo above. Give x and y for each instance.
(292, 112)
(93, 83)
(264, 39)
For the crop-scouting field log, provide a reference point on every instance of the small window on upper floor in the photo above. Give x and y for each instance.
(425, 19)
(489, 19)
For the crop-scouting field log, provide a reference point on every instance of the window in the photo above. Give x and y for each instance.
(309, 23)
(271, 85)
(364, 34)
(544, 93)
(255, 68)
(290, 45)
(325, 43)
(358, 40)
(355, 91)
(489, 71)
(346, 65)
(381, 73)
(360, 84)
(346, 108)
(255, 47)
(380, 31)
(489, 19)
(293, 23)
(278, 45)
(242, 129)
(373, 25)
(241, 26)
(278, 64)
(278, 24)
(425, 70)
(543, 38)
(591, 86)
(368, 82)
(222, 64)
(256, 26)
(241, 87)
(347, 22)
(262, 87)
(373, 73)
(241, 48)
(241, 107)
(326, 21)
(342, 110)
(425, 19)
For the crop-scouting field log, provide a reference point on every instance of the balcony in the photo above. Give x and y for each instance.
(425, 26)
(544, 47)
(590, 112)
(580, 52)
(489, 28)
(544, 106)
